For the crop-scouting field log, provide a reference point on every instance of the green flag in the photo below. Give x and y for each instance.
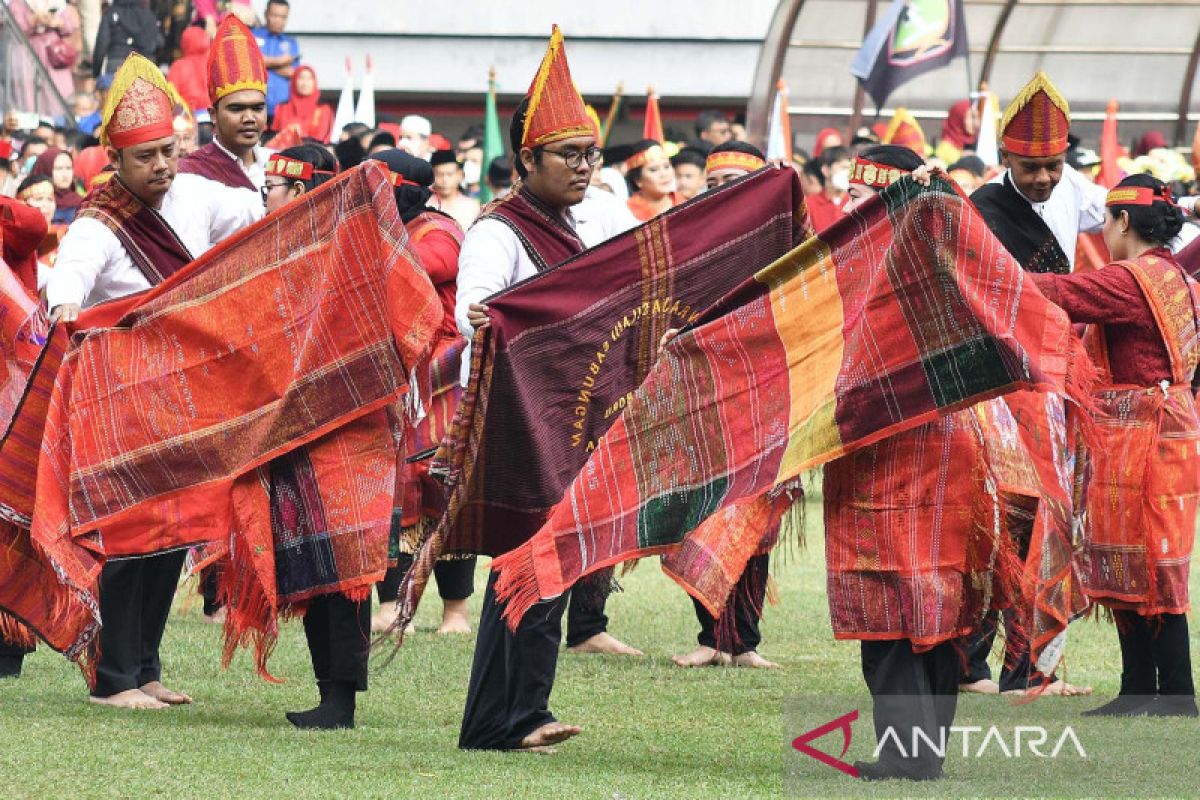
(493, 141)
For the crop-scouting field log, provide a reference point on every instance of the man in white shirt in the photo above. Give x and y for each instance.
(529, 231)
(237, 86)
(1036, 208)
(131, 233)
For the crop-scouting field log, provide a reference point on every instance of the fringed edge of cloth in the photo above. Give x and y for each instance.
(16, 633)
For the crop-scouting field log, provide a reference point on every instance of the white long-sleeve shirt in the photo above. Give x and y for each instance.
(492, 257)
(93, 266)
(1075, 206)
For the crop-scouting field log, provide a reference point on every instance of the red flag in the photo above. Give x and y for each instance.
(1110, 149)
(653, 127)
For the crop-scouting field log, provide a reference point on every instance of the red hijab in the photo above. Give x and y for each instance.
(63, 198)
(954, 130)
(308, 113)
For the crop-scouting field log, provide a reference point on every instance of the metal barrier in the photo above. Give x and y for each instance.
(25, 85)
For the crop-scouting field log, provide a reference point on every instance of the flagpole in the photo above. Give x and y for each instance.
(610, 118)
(859, 93)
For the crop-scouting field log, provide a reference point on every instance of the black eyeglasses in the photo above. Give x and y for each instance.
(266, 188)
(574, 158)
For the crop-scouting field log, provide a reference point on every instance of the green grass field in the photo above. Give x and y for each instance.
(651, 730)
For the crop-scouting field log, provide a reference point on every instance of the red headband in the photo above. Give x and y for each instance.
(399, 180)
(1139, 196)
(731, 159)
(297, 170)
(870, 173)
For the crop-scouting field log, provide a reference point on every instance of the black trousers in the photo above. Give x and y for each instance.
(736, 630)
(12, 656)
(512, 674)
(338, 631)
(455, 579)
(135, 600)
(210, 577)
(1155, 656)
(1016, 668)
(911, 691)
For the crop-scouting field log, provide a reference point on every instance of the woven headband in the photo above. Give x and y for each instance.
(730, 159)
(650, 154)
(1139, 196)
(285, 167)
(870, 173)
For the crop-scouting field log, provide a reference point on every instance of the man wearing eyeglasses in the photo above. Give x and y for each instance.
(546, 219)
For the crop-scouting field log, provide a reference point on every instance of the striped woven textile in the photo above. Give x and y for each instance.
(565, 349)
(906, 310)
(291, 335)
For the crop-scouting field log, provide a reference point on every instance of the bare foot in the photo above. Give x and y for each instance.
(984, 686)
(165, 695)
(1061, 688)
(605, 643)
(549, 734)
(217, 617)
(385, 617)
(753, 659)
(454, 617)
(130, 698)
(702, 656)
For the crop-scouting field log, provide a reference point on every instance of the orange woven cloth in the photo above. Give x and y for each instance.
(292, 333)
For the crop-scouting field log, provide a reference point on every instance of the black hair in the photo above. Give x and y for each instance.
(33, 180)
(32, 140)
(516, 132)
(812, 168)
(382, 138)
(284, 3)
(705, 120)
(1157, 223)
(499, 172)
(734, 146)
(688, 155)
(831, 155)
(412, 196)
(353, 130)
(350, 153)
(320, 159)
(73, 139)
(892, 155)
(474, 133)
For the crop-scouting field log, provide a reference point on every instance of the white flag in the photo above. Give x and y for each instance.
(345, 108)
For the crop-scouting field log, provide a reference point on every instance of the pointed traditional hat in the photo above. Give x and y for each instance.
(556, 110)
(905, 131)
(234, 61)
(1035, 124)
(138, 107)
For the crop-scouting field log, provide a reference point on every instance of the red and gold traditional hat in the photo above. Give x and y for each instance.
(905, 131)
(731, 159)
(292, 168)
(556, 110)
(234, 61)
(138, 107)
(595, 120)
(1035, 124)
(866, 172)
